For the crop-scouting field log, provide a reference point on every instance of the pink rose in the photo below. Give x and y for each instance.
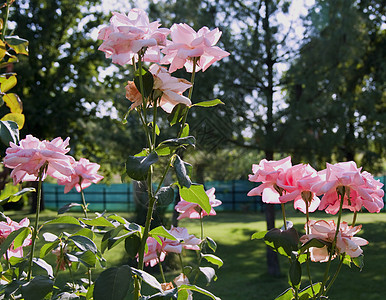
(186, 240)
(297, 182)
(27, 159)
(5, 230)
(193, 210)
(154, 254)
(361, 189)
(187, 44)
(325, 231)
(268, 172)
(85, 174)
(171, 88)
(127, 35)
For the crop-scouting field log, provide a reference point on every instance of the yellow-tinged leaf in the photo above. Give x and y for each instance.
(19, 45)
(3, 50)
(7, 84)
(19, 119)
(13, 102)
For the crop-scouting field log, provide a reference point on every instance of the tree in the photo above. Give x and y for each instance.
(248, 81)
(337, 101)
(64, 89)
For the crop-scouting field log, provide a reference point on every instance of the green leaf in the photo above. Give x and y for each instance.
(13, 102)
(149, 279)
(308, 291)
(37, 288)
(181, 172)
(295, 273)
(258, 235)
(185, 131)
(9, 132)
(213, 259)
(19, 119)
(137, 167)
(358, 261)
(19, 240)
(177, 113)
(132, 244)
(209, 103)
(211, 243)
(148, 82)
(165, 196)
(209, 273)
(83, 243)
(196, 194)
(161, 231)
(67, 207)
(113, 283)
(286, 295)
(100, 221)
(63, 220)
(44, 265)
(87, 258)
(197, 289)
(10, 238)
(119, 219)
(7, 83)
(112, 242)
(286, 240)
(85, 232)
(48, 247)
(19, 45)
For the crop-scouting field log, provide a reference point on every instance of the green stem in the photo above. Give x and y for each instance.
(284, 218)
(161, 270)
(5, 21)
(181, 262)
(145, 128)
(35, 229)
(154, 122)
(141, 252)
(202, 226)
(336, 273)
(322, 288)
(195, 59)
(354, 219)
(84, 206)
(308, 250)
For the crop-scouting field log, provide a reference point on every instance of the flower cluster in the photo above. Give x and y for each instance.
(6, 227)
(131, 38)
(157, 251)
(33, 156)
(282, 182)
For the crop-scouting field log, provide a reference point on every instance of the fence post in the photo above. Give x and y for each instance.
(233, 196)
(104, 198)
(56, 197)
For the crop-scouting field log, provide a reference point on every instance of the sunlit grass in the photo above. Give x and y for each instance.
(244, 273)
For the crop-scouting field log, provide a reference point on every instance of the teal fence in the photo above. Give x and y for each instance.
(119, 197)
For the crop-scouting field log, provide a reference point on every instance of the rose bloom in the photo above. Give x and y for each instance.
(325, 231)
(8, 226)
(268, 172)
(184, 239)
(297, 181)
(127, 35)
(27, 159)
(361, 189)
(195, 211)
(171, 88)
(85, 173)
(188, 44)
(61, 257)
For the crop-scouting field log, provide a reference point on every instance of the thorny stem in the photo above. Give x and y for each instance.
(84, 206)
(308, 250)
(8, 4)
(336, 273)
(284, 218)
(35, 229)
(161, 269)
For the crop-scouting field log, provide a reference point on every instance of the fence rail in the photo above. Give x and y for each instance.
(120, 197)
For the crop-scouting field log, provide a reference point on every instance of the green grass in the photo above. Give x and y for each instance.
(244, 275)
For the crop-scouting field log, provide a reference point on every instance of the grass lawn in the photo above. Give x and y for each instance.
(244, 276)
